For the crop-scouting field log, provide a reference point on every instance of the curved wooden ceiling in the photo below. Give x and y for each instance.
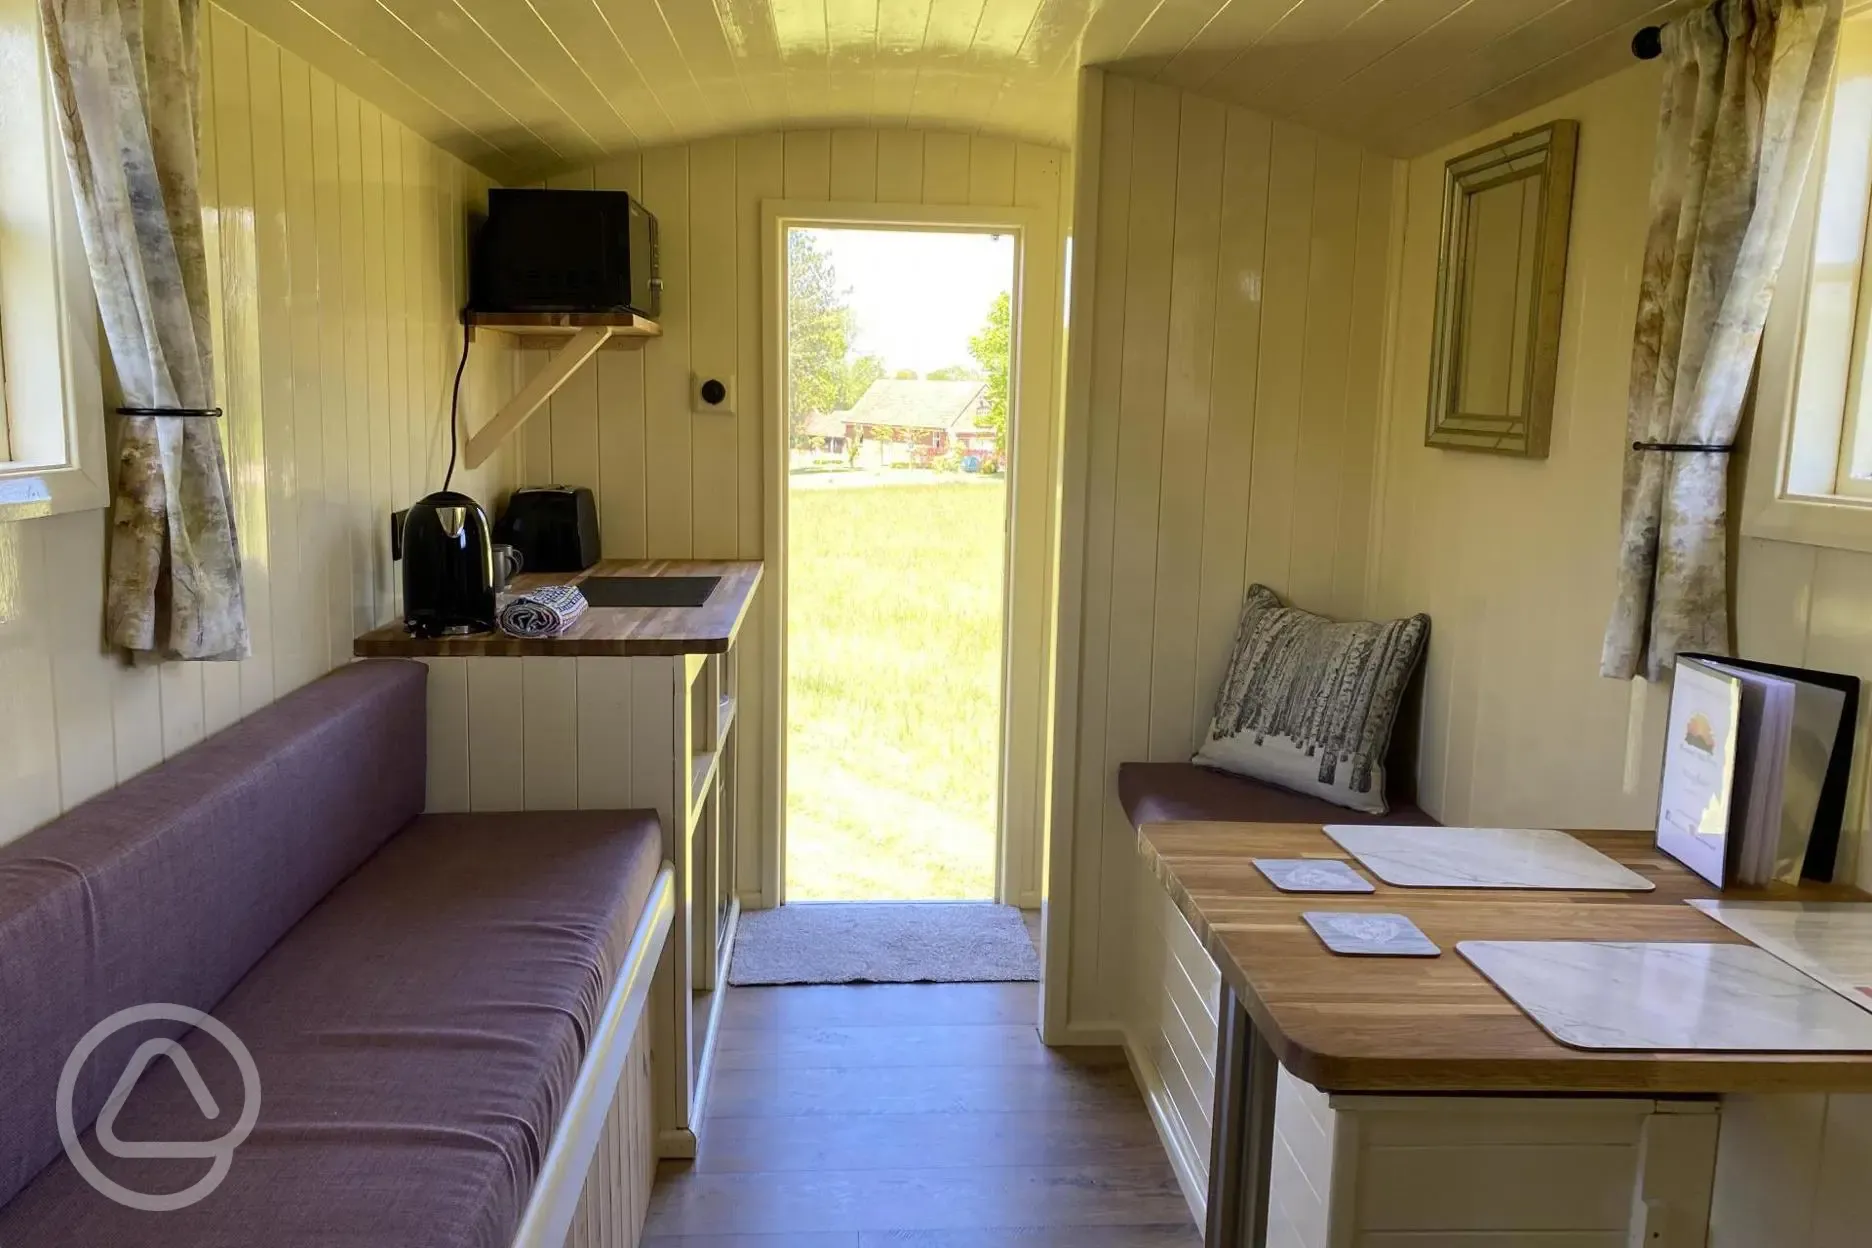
(523, 87)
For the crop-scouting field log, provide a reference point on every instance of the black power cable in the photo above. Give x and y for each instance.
(455, 407)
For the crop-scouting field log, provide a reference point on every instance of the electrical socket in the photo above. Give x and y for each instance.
(712, 394)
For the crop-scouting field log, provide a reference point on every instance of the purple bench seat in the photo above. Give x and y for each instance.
(417, 1031)
(1184, 792)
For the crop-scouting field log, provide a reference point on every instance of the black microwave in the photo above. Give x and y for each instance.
(565, 251)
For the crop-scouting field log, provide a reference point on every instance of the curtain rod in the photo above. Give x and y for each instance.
(1648, 44)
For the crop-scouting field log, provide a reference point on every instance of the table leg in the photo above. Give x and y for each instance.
(1242, 1142)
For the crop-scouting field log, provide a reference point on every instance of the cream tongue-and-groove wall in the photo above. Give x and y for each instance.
(1229, 298)
(1514, 559)
(335, 244)
(1514, 562)
(672, 484)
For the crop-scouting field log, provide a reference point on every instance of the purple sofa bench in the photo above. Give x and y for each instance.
(1186, 793)
(419, 993)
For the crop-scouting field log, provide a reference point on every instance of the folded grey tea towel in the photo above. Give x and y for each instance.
(543, 612)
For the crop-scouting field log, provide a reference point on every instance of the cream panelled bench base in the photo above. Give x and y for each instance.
(1171, 1022)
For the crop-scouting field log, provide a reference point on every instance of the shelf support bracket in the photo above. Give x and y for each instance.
(565, 361)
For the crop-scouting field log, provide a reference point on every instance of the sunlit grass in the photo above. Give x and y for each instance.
(893, 700)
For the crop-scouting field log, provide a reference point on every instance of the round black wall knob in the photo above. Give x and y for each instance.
(713, 392)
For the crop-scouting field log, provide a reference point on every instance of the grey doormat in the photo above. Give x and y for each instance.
(876, 942)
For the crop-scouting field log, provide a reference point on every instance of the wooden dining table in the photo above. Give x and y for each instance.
(1391, 1025)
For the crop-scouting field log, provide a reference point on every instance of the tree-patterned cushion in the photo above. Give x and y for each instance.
(1308, 703)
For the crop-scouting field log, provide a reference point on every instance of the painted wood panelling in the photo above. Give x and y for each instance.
(672, 483)
(545, 733)
(1385, 1172)
(616, 1197)
(521, 90)
(1232, 295)
(525, 89)
(334, 238)
(1170, 1034)
(1381, 1172)
(1515, 559)
(1398, 77)
(1512, 558)
(1514, 562)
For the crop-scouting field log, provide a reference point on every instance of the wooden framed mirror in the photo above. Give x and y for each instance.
(1501, 273)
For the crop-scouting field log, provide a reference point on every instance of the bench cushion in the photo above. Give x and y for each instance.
(169, 887)
(417, 1036)
(1173, 792)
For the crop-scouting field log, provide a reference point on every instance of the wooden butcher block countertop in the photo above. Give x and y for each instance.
(1401, 1025)
(602, 631)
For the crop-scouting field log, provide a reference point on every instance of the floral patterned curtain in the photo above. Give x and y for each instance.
(1745, 88)
(127, 78)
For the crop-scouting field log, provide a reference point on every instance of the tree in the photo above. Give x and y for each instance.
(904, 374)
(819, 325)
(860, 372)
(954, 372)
(990, 349)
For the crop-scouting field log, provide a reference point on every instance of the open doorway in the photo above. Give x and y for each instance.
(909, 524)
(898, 346)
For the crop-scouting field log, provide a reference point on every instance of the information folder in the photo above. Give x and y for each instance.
(1756, 761)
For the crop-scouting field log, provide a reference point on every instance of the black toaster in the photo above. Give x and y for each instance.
(554, 527)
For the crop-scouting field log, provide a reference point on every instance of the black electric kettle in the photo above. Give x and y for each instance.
(448, 567)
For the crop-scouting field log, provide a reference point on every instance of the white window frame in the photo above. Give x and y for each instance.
(1814, 365)
(53, 458)
(1855, 418)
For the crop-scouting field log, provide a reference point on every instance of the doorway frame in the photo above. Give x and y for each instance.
(1025, 770)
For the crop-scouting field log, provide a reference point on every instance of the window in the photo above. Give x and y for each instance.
(1840, 273)
(52, 443)
(1835, 454)
(1810, 463)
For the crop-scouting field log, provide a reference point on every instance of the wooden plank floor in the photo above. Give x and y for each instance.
(915, 1116)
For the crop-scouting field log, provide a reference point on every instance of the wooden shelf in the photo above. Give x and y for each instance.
(703, 765)
(582, 335)
(627, 328)
(701, 773)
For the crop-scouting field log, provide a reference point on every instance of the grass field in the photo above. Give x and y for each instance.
(893, 696)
